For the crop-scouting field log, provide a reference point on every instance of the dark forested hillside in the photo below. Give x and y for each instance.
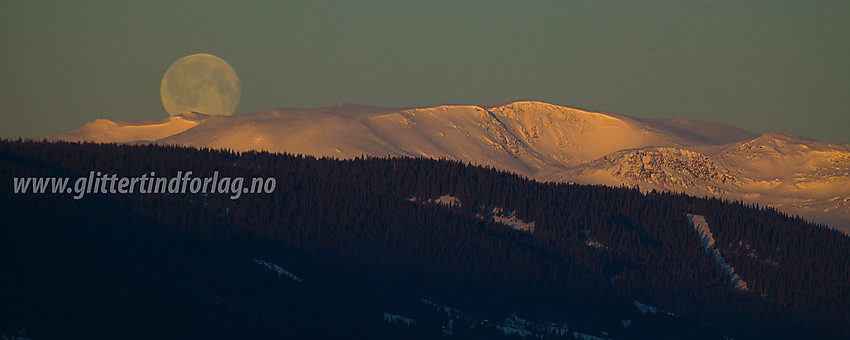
(378, 254)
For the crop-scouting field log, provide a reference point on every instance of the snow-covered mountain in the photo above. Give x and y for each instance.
(543, 141)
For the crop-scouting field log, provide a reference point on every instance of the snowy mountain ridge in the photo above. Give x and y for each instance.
(543, 141)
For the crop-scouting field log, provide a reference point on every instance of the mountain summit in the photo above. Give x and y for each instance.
(543, 141)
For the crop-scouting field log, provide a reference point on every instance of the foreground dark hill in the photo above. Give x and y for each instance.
(396, 248)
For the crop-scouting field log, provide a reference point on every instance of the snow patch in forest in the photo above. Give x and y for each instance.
(452, 313)
(278, 269)
(510, 220)
(447, 200)
(512, 325)
(587, 336)
(647, 309)
(393, 318)
(510, 330)
(18, 334)
(496, 214)
(701, 227)
(592, 242)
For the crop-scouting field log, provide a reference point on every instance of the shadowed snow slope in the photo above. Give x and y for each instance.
(540, 140)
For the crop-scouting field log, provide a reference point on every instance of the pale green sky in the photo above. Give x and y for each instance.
(759, 65)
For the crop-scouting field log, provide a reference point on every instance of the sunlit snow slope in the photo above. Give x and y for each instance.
(543, 141)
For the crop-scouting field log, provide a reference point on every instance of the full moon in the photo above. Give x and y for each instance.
(202, 83)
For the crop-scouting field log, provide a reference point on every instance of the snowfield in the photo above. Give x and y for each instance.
(543, 141)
